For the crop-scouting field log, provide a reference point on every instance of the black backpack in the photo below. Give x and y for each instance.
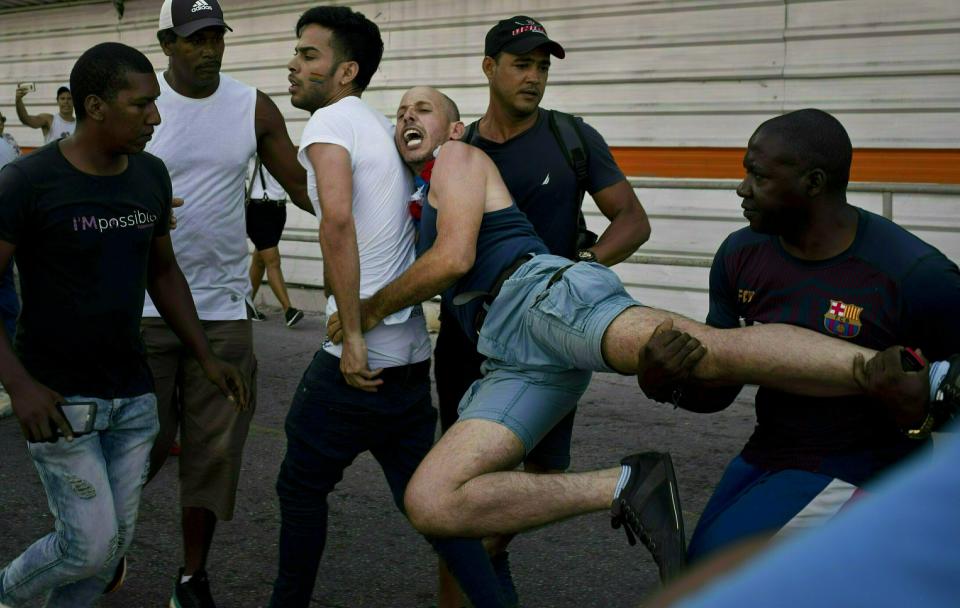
(573, 145)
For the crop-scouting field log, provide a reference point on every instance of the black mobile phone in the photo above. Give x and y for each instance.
(911, 361)
(80, 416)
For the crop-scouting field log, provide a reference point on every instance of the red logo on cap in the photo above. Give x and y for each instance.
(528, 28)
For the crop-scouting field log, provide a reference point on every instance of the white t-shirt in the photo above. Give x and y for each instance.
(381, 192)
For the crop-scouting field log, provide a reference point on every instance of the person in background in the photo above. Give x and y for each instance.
(9, 302)
(266, 216)
(54, 126)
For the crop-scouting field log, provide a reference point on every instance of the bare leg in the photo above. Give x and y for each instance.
(779, 356)
(449, 595)
(271, 259)
(256, 272)
(198, 527)
(466, 486)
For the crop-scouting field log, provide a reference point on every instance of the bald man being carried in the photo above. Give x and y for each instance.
(544, 323)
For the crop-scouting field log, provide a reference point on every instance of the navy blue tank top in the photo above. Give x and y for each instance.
(504, 236)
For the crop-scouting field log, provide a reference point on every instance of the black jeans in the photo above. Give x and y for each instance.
(329, 424)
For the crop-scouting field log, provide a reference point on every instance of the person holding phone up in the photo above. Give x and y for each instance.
(53, 126)
(87, 218)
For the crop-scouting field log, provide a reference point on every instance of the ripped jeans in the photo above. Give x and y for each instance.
(93, 487)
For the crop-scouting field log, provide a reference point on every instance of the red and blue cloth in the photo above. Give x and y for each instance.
(419, 196)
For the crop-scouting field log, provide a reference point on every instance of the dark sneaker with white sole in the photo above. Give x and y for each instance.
(292, 316)
(195, 593)
(118, 576)
(647, 505)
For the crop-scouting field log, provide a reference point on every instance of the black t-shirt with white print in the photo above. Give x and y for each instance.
(82, 246)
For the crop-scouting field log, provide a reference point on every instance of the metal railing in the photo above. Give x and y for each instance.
(887, 190)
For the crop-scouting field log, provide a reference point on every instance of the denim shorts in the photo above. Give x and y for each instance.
(542, 344)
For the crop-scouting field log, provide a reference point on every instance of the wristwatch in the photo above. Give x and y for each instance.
(925, 428)
(586, 255)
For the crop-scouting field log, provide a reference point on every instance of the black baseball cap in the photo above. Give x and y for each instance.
(519, 35)
(185, 17)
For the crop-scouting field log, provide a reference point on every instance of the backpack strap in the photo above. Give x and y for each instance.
(263, 181)
(571, 141)
(256, 166)
(472, 133)
(570, 138)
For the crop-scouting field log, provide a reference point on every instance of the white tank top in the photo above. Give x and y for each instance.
(207, 145)
(59, 129)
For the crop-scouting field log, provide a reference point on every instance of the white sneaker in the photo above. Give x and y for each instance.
(5, 407)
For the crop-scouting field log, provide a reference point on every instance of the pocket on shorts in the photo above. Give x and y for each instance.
(564, 305)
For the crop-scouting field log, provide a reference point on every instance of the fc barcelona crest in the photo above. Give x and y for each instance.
(842, 319)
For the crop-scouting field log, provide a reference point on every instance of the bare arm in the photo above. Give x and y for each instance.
(278, 153)
(458, 191)
(629, 227)
(341, 257)
(40, 121)
(171, 295)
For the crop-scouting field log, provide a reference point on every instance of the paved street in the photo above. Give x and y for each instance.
(373, 557)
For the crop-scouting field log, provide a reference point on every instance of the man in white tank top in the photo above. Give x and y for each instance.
(211, 126)
(54, 126)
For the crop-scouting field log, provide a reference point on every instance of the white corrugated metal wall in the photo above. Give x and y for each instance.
(644, 72)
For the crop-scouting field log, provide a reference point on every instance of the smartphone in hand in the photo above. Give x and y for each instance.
(28, 86)
(81, 416)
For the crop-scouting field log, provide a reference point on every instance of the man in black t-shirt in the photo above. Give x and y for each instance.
(517, 134)
(811, 259)
(87, 219)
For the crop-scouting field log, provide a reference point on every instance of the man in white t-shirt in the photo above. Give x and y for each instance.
(372, 393)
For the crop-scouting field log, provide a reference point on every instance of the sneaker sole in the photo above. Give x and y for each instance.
(117, 582)
(671, 480)
(675, 497)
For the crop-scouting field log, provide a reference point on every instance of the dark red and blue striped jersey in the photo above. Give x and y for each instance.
(888, 288)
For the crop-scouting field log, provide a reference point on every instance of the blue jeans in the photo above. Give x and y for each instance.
(93, 489)
(329, 424)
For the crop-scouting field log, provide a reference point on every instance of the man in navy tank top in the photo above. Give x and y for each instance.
(544, 323)
(810, 259)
